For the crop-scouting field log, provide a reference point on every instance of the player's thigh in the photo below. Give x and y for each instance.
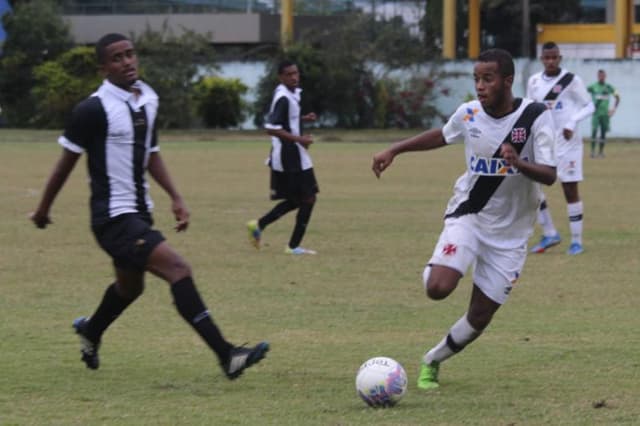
(129, 239)
(167, 264)
(453, 255)
(570, 165)
(497, 270)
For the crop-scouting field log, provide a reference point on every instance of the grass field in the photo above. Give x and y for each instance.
(562, 351)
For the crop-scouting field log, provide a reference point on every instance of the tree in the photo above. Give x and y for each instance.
(62, 83)
(35, 33)
(336, 69)
(170, 64)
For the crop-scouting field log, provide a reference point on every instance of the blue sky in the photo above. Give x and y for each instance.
(4, 8)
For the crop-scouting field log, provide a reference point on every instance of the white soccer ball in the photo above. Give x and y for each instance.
(381, 382)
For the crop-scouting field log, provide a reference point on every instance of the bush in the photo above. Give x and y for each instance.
(62, 83)
(219, 101)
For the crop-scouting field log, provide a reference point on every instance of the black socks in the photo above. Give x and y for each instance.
(192, 309)
(108, 311)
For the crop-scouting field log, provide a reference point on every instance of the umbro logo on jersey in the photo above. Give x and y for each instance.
(491, 166)
(474, 132)
(519, 135)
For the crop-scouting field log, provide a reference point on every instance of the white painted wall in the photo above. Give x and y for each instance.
(624, 75)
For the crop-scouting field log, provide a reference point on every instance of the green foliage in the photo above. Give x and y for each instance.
(219, 101)
(339, 84)
(62, 83)
(170, 64)
(36, 33)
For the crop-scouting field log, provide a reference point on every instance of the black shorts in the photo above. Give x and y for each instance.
(293, 185)
(129, 240)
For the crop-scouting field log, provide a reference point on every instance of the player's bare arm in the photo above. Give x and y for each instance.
(161, 175)
(309, 117)
(285, 136)
(430, 139)
(56, 181)
(537, 172)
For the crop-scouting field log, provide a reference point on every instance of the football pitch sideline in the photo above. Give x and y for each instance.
(562, 351)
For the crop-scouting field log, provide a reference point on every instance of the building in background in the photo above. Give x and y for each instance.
(611, 31)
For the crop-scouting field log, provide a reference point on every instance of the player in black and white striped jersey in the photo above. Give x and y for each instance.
(292, 176)
(115, 126)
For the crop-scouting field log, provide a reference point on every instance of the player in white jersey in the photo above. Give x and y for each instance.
(509, 149)
(569, 102)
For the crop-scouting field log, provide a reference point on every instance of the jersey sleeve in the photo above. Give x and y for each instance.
(583, 101)
(154, 137)
(613, 90)
(84, 119)
(453, 130)
(529, 92)
(279, 115)
(544, 140)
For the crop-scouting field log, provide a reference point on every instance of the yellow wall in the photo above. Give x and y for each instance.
(577, 33)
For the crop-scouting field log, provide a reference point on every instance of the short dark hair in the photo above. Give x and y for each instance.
(106, 40)
(286, 63)
(500, 57)
(549, 45)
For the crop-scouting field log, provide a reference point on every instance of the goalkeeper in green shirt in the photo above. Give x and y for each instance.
(601, 93)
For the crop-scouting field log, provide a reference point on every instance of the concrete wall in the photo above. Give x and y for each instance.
(223, 27)
(623, 75)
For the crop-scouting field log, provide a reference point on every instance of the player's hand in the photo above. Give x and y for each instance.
(509, 154)
(567, 133)
(40, 219)
(310, 117)
(381, 161)
(305, 140)
(181, 214)
(611, 112)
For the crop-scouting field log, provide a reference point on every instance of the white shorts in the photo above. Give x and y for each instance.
(570, 164)
(495, 270)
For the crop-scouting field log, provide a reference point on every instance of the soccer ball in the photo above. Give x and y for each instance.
(381, 382)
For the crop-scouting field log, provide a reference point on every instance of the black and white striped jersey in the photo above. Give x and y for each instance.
(285, 114)
(117, 131)
(496, 197)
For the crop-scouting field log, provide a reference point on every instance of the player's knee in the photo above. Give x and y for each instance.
(130, 289)
(437, 286)
(179, 269)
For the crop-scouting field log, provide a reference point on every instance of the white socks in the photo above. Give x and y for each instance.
(545, 220)
(460, 335)
(574, 210)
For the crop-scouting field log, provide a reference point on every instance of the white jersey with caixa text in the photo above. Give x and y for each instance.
(496, 198)
(569, 104)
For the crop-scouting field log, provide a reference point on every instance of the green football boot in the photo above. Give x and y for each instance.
(428, 378)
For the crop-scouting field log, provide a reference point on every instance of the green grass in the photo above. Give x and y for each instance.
(562, 351)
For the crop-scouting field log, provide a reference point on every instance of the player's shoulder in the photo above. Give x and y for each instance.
(533, 105)
(89, 106)
(535, 77)
(467, 110)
